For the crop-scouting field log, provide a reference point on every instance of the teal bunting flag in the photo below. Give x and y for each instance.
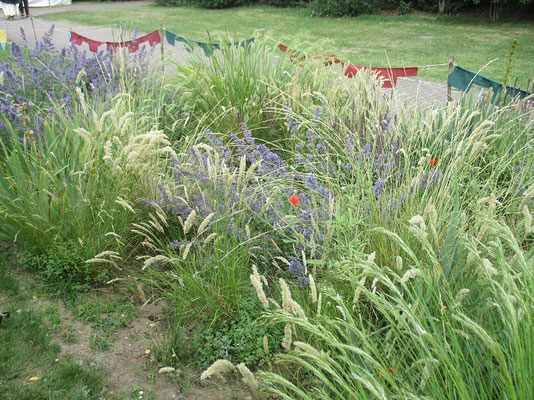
(463, 79)
(207, 48)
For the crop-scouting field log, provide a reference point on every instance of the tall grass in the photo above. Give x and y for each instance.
(410, 332)
(74, 186)
(404, 258)
(430, 239)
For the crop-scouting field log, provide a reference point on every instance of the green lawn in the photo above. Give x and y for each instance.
(31, 364)
(4, 53)
(409, 40)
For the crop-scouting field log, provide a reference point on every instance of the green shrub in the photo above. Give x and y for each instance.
(404, 7)
(235, 85)
(202, 3)
(63, 265)
(340, 8)
(287, 3)
(239, 338)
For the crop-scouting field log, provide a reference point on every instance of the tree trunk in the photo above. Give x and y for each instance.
(441, 6)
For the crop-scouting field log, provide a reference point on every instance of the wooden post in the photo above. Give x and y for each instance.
(33, 26)
(162, 46)
(161, 42)
(449, 89)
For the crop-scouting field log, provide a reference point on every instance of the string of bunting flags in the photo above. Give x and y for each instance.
(460, 78)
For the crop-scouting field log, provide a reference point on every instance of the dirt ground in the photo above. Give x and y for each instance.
(130, 368)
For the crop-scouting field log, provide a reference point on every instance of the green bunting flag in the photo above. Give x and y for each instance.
(463, 79)
(207, 48)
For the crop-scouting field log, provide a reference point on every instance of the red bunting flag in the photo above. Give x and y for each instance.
(390, 75)
(132, 45)
(79, 40)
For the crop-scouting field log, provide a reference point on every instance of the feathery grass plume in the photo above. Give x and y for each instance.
(462, 294)
(297, 310)
(308, 349)
(209, 238)
(142, 229)
(189, 221)
(286, 341)
(430, 210)
(418, 222)
(107, 153)
(256, 282)
(371, 257)
(410, 274)
(471, 257)
(155, 223)
(284, 260)
(81, 99)
(373, 285)
(265, 344)
(304, 261)
(313, 289)
(125, 204)
(100, 260)
(528, 219)
(218, 368)
(149, 262)
(357, 291)
(275, 303)
(488, 266)
(398, 263)
(186, 250)
(248, 377)
(287, 301)
(108, 253)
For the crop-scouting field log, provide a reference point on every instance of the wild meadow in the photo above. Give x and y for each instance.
(306, 233)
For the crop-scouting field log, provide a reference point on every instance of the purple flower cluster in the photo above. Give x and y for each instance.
(261, 208)
(368, 162)
(39, 79)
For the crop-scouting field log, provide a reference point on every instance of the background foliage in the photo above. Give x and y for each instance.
(339, 8)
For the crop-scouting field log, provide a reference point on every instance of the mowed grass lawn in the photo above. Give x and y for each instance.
(409, 40)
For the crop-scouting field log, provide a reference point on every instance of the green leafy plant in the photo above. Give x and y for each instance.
(239, 338)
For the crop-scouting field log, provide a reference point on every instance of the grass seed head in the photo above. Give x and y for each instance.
(218, 368)
(286, 342)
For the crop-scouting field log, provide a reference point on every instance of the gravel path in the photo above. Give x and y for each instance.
(411, 91)
(61, 29)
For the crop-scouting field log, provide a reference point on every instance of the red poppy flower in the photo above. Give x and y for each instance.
(433, 161)
(390, 369)
(294, 200)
